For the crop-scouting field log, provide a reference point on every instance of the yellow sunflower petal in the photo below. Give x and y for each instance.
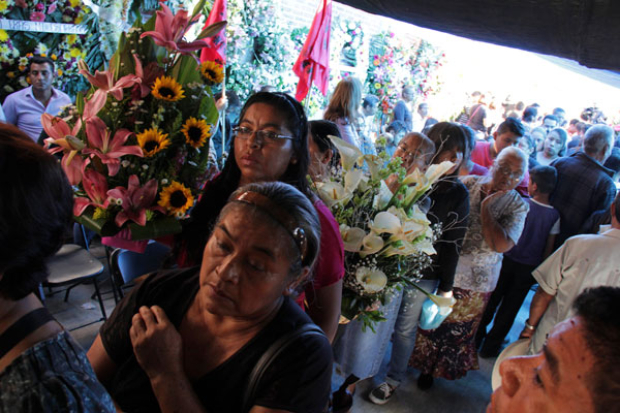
(212, 72)
(166, 88)
(176, 199)
(196, 132)
(152, 141)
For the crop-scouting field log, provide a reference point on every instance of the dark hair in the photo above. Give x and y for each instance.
(299, 208)
(545, 178)
(513, 125)
(471, 142)
(319, 132)
(40, 60)
(598, 308)
(430, 122)
(552, 117)
(527, 138)
(369, 100)
(203, 216)
(530, 114)
(556, 110)
(36, 205)
(396, 126)
(447, 136)
(563, 136)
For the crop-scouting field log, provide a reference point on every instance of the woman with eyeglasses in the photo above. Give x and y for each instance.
(496, 219)
(270, 144)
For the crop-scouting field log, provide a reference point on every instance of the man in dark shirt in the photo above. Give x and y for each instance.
(584, 186)
(402, 111)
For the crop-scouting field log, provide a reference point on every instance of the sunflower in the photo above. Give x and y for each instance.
(176, 198)
(152, 141)
(166, 88)
(212, 72)
(196, 132)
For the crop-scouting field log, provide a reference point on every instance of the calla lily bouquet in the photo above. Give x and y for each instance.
(388, 239)
(136, 146)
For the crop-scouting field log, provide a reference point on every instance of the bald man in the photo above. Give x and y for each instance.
(584, 185)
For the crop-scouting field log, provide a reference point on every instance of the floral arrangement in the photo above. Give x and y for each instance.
(16, 47)
(259, 49)
(136, 146)
(353, 38)
(387, 238)
(395, 63)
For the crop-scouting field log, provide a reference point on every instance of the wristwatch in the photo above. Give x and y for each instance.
(528, 326)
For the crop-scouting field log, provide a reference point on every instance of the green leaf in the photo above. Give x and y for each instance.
(79, 102)
(155, 229)
(212, 30)
(101, 226)
(198, 8)
(186, 70)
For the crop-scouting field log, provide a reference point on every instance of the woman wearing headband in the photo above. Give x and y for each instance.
(270, 144)
(187, 340)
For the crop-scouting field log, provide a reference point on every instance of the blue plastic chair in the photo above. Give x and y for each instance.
(127, 265)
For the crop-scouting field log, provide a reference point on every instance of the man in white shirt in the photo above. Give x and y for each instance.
(25, 107)
(583, 261)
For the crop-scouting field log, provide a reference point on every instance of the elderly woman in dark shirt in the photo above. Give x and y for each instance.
(187, 340)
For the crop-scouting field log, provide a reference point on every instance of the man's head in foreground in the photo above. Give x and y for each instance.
(578, 369)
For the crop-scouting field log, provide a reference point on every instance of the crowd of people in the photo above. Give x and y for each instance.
(231, 325)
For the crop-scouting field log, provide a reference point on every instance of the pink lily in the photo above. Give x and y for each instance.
(170, 29)
(105, 84)
(62, 135)
(147, 76)
(135, 200)
(96, 187)
(106, 149)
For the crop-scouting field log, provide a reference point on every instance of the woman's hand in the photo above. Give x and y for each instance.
(156, 343)
(494, 235)
(526, 333)
(489, 199)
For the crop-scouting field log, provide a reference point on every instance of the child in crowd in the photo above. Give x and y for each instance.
(416, 152)
(468, 167)
(515, 280)
(389, 140)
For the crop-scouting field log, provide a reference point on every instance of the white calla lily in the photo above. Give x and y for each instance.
(385, 222)
(436, 171)
(442, 302)
(349, 154)
(352, 238)
(372, 280)
(375, 163)
(333, 193)
(382, 199)
(371, 244)
(352, 179)
(416, 177)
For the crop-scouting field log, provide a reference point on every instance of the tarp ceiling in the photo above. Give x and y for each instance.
(587, 31)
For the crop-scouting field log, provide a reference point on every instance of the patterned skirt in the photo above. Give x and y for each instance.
(449, 351)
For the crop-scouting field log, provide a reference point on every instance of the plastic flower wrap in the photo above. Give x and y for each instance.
(388, 239)
(136, 146)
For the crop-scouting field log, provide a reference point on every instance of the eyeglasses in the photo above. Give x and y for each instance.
(406, 153)
(507, 172)
(263, 137)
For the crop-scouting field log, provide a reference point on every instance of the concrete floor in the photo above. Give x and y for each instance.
(467, 395)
